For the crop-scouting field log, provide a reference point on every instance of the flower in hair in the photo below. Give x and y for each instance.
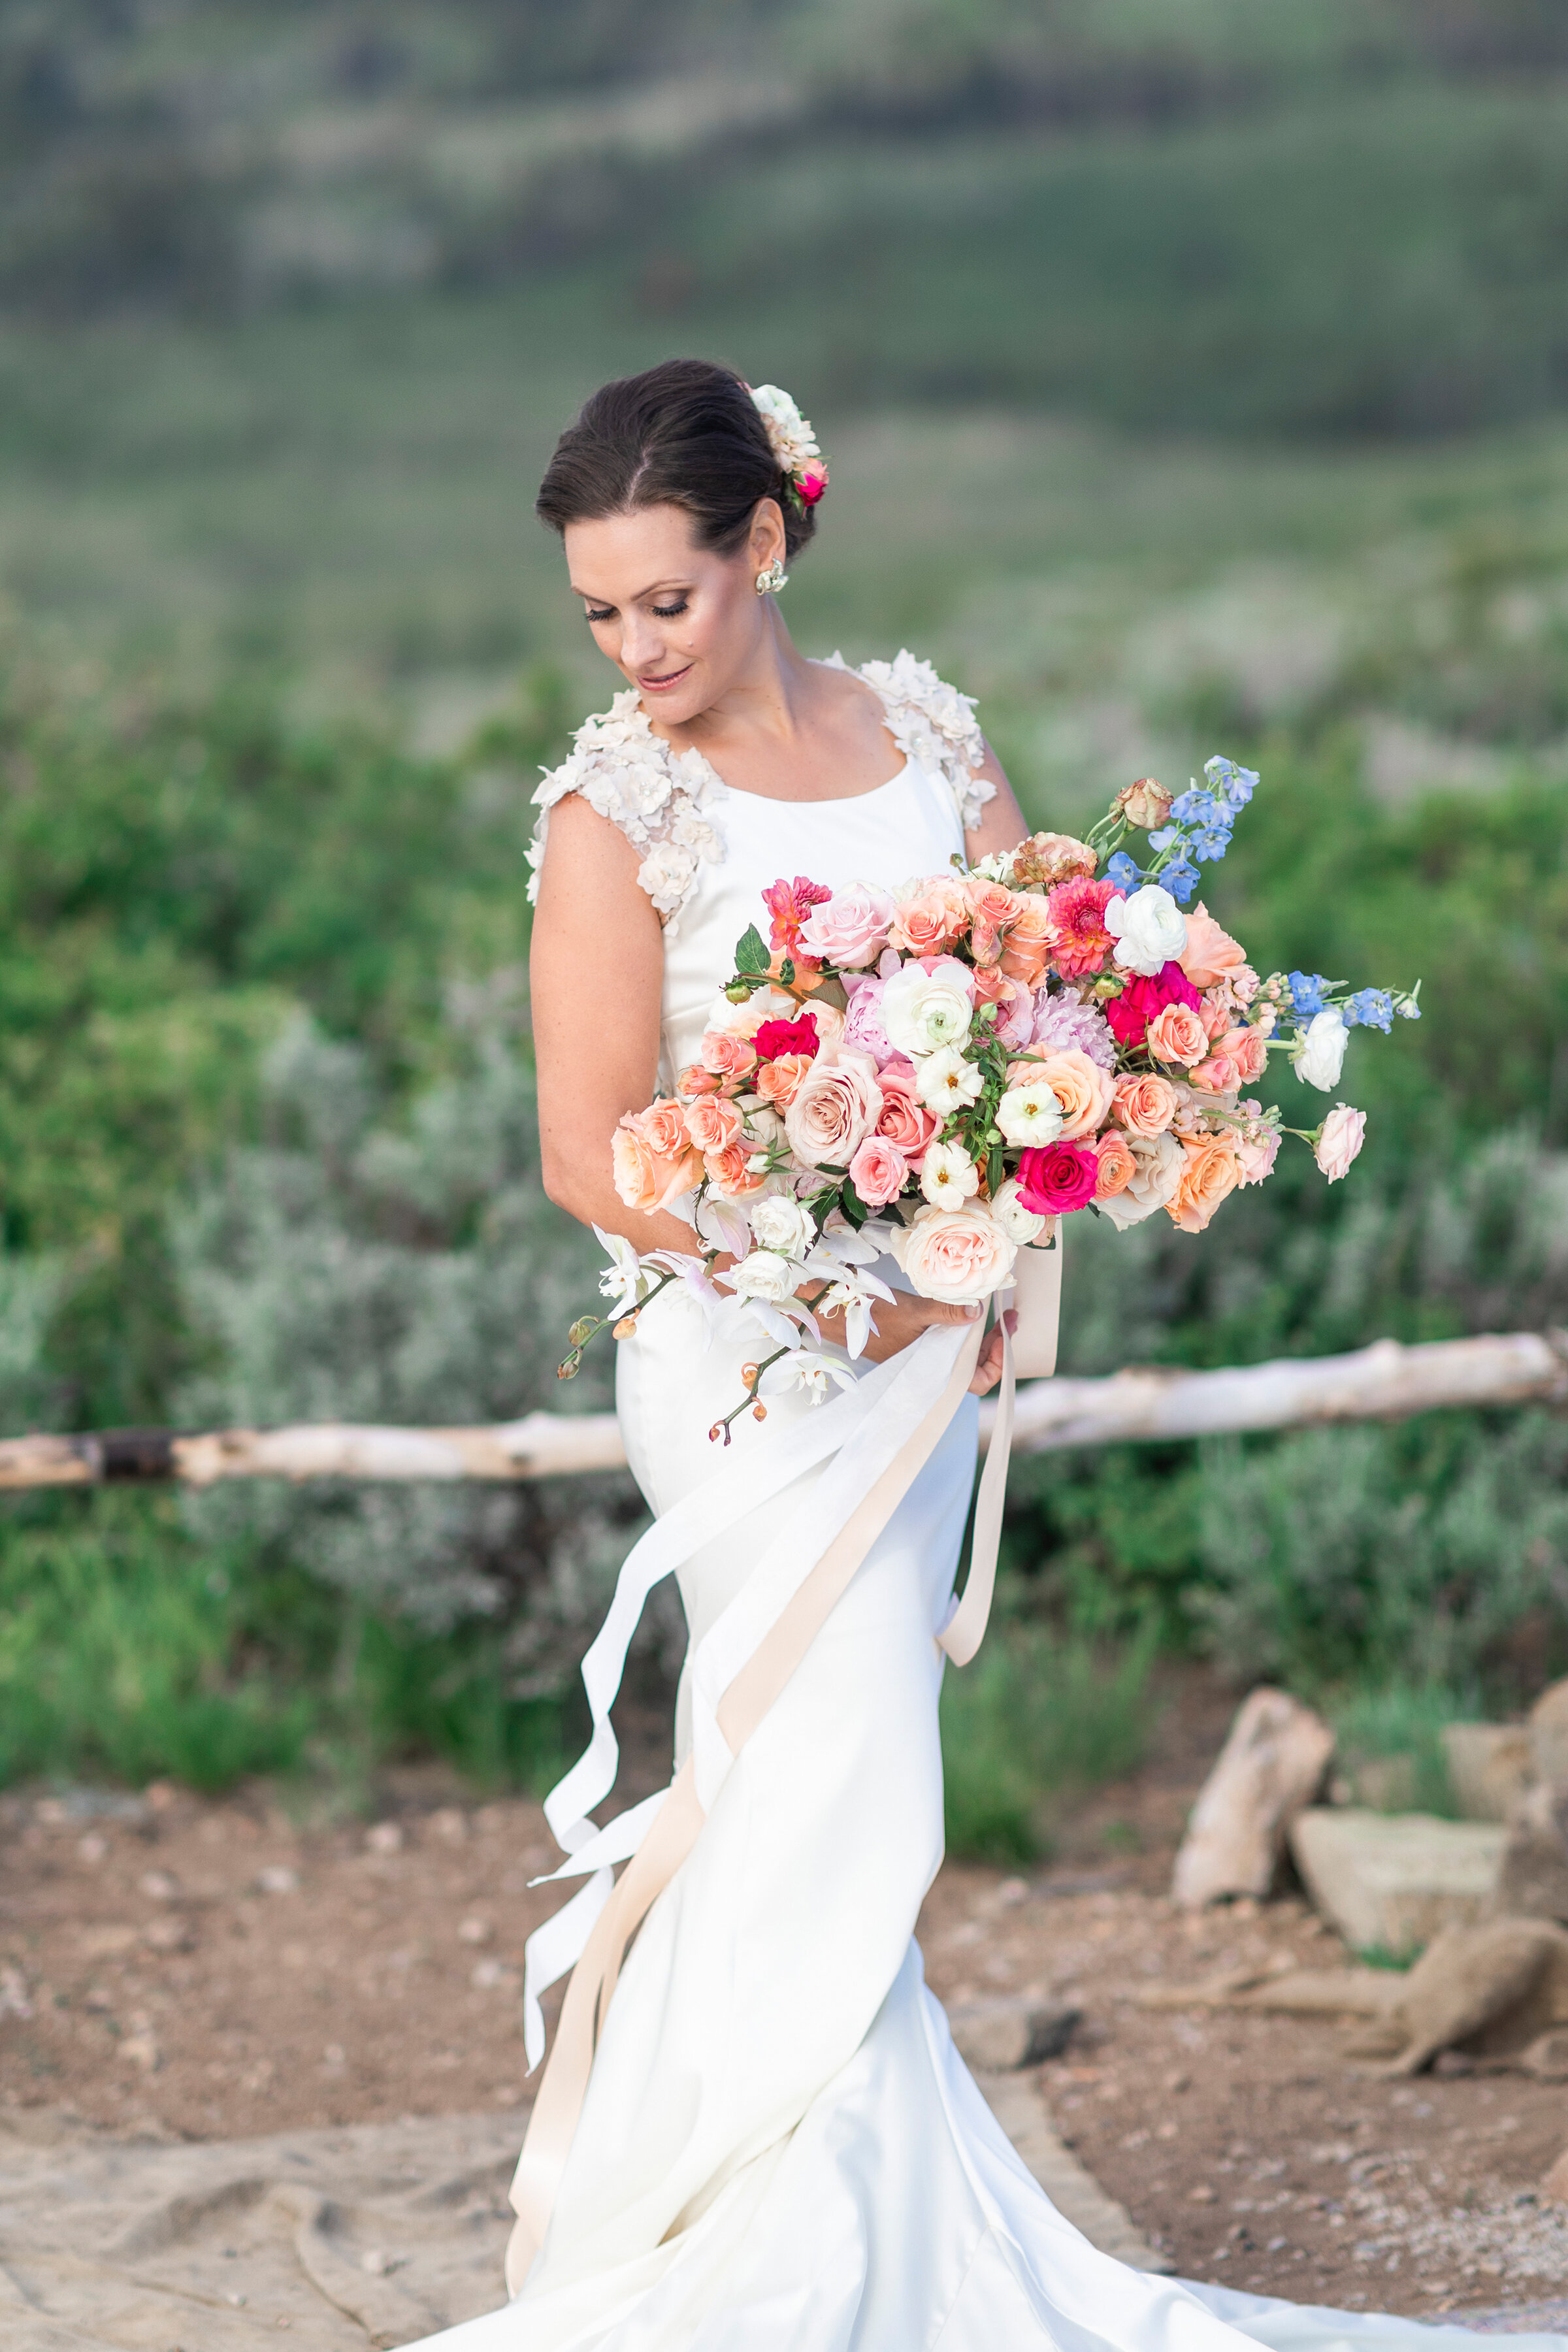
(793, 442)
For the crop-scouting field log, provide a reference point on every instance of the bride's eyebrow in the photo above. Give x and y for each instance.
(659, 588)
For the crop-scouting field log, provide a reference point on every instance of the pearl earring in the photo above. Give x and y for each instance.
(772, 579)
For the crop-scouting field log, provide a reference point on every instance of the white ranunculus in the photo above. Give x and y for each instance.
(1029, 1114)
(779, 1222)
(1149, 928)
(922, 1012)
(1321, 1053)
(764, 1275)
(945, 1082)
(1020, 1224)
(948, 1176)
(1160, 1160)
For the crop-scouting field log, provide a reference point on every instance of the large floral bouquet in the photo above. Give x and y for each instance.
(942, 1072)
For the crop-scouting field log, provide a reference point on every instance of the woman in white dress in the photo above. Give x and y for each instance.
(772, 2145)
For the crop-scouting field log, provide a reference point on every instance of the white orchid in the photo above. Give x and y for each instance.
(803, 1368)
(622, 1281)
(853, 1294)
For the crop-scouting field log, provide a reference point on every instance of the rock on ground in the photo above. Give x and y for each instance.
(1391, 1882)
(1270, 1766)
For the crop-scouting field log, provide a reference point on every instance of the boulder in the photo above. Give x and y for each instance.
(994, 2037)
(1272, 1764)
(1532, 1883)
(1549, 1737)
(1391, 1882)
(1489, 1768)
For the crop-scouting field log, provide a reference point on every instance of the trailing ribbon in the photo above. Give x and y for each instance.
(879, 1436)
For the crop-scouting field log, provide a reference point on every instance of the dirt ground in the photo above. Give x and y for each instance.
(215, 1969)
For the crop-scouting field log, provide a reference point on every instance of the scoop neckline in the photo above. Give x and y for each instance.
(837, 800)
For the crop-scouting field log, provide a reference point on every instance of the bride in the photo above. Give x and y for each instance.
(765, 2141)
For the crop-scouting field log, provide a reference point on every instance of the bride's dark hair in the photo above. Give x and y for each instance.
(684, 434)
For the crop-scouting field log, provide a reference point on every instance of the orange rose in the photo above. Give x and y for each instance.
(778, 1081)
(1028, 945)
(1176, 1035)
(728, 1172)
(1117, 1166)
(1144, 1106)
(1211, 1171)
(1210, 954)
(1083, 1090)
(713, 1124)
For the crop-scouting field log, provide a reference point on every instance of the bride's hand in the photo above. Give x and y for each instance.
(900, 1320)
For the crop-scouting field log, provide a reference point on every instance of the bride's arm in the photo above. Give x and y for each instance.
(1002, 823)
(596, 974)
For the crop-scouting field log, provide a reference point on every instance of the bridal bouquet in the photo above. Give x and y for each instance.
(939, 1074)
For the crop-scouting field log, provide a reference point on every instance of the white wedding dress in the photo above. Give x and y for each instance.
(779, 2150)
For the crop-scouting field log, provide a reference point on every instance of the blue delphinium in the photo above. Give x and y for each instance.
(1234, 784)
(1120, 870)
(1180, 876)
(1372, 1008)
(1307, 992)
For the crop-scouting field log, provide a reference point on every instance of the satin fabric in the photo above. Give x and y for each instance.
(779, 2150)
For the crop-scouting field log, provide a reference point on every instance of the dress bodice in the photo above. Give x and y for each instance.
(709, 851)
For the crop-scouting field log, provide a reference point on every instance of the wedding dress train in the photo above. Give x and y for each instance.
(778, 2149)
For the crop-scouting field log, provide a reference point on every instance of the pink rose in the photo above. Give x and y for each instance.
(879, 1171)
(1248, 1049)
(849, 930)
(778, 1081)
(1210, 954)
(954, 1255)
(811, 481)
(836, 1108)
(1214, 1010)
(1339, 1140)
(1218, 1074)
(1177, 1034)
(1055, 1177)
(904, 1120)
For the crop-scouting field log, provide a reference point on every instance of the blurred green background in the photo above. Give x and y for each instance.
(1193, 379)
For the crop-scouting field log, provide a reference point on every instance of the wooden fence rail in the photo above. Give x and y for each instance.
(1383, 1383)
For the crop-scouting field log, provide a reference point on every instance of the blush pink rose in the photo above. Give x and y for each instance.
(1177, 1034)
(713, 1124)
(879, 1171)
(1215, 1011)
(1054, 1178)
(1210, 954)
(904, 1120)
(954, 1255)
(836, 1107)
(1341, 1141)
(849, 930)
(695, 1080)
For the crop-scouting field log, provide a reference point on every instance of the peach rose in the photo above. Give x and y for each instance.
(644, 1177)
(990, 984)
(1248, 1049)
(1211, 1171)
(934, 919)
(1144, 1106)
(664, 1125)
(1083, 1090)
(836, 1107)
(1210, 954)
(1217, 1076)
(1117, 1166)
(1216, 1011)
(695, 1080)
(1028, 945)
(778, 1081)
(830, 1020)
(725, 1054)
(879, 1171)
(1176, 1035)
(904, 1120)
(728, 1173)
(993, 909)
(954, 1254)
(713, 1124)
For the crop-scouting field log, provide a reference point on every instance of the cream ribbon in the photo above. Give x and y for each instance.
(738, 1671)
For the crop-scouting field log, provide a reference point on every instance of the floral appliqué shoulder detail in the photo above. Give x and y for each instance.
(654, 794)
(934, 725)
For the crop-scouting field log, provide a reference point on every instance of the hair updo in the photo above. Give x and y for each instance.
(684, 434)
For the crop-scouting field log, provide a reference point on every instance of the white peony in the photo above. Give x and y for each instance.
(922, 1012)
(1160, 1162)
(1029, 1114)
(1019, 1224)
(948, 1176)
(779, 1222)
(764, 1275)
(1148, 928)
(1321, 1055)
(945, 1082)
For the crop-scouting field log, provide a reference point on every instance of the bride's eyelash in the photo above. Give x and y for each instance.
(670, 612)
(593, 618)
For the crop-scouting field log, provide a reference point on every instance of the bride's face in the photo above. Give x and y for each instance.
(681, 623)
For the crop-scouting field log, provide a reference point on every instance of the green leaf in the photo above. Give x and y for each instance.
(853, 1206)
(751, 951)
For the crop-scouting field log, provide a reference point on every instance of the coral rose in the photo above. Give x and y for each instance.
(1210, 954)
(1143, 1106)
(1177, 1035)
(713, 1124)
(1210, 1172)
(879, 1171)
(955, 1255)
(1117, 1166)
(664, 1125)
(935, 917)
(904, 1119)
(836, 1107)
(778, 1081)
(1027, 947)
(849, 930)
(1083, 1090)
(993, 908)
(1057, 1177)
